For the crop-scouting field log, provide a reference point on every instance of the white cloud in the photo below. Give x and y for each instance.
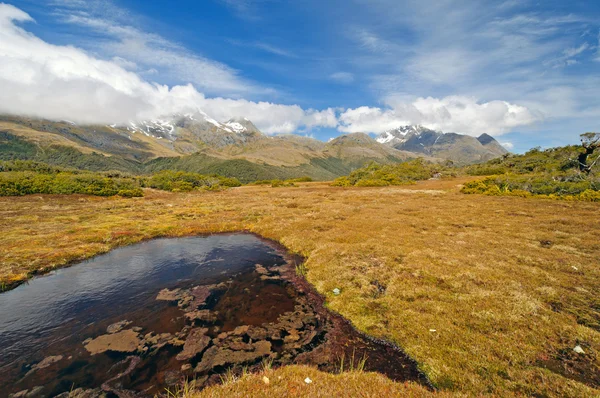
(65, 82)
(508, 145)
(120, 35)
(449, 114)
(342, 77)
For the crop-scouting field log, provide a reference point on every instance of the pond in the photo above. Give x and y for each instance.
(143, 318)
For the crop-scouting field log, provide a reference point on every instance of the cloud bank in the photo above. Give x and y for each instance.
(449, 114)
(57, 82)
(65, 82)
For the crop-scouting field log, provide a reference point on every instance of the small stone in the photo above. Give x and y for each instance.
(578, 349)
(185, 367)
(308, 380)
(266, 380)
(336, 292)
(432, 330)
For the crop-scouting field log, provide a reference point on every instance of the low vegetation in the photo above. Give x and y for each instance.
(569, 173)
(181, 181)
(489, 294)
(19, 178)
(277, 183)
(377, 175)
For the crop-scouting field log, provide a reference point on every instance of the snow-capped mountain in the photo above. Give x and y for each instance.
(400, 134)
(456, 147)
(194, 127)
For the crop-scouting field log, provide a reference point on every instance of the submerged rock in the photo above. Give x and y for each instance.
(195, 343)
(215, 356)
(117, 327)
(169, 295)
(44, 363)
(201, 293)
(201, 315)
(124, 341)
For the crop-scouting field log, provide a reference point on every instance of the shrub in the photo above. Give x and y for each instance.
(181, 181)
(376, 175)
(553, 186)
(131, 193)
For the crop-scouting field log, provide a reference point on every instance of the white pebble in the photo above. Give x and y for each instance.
(578, 349)
(307, 380)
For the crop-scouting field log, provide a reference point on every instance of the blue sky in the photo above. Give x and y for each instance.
(523, 71)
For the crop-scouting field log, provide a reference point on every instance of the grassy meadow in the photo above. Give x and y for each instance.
(490, 294)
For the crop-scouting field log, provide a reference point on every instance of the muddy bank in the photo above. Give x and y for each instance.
(194, 314)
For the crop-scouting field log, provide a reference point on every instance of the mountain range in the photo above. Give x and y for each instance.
(236, 147)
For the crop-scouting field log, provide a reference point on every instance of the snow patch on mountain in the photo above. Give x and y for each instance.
(235, 126)
(401, 134)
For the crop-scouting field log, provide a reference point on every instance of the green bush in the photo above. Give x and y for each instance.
(18, 183)
(181, 181)
(377, 175)
(131, 193)
(553, 186)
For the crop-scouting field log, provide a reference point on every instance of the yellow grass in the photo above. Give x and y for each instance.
(476, 269)
(290, 382)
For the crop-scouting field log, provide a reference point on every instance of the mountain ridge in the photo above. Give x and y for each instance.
(196, 142)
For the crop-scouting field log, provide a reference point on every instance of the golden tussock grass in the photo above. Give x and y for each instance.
(481, 291)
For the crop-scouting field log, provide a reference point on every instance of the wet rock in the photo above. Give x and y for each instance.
(20, 394)
(117, 327)
(215, 356)
(44, 363)
(257, 333)
(185, 367)
(201, 315)
(195, 343)
(169, 295)
(123, 341)
(170, 377)
(261, 270)
(241, 330)
(269, 278)
(239, 346)
(155, 342)
(201, 294)
(35, 392)
(292, 337)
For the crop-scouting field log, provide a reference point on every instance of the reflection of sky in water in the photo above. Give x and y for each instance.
(117, 282)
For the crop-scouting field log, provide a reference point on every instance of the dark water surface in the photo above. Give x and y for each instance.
(235, 306)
